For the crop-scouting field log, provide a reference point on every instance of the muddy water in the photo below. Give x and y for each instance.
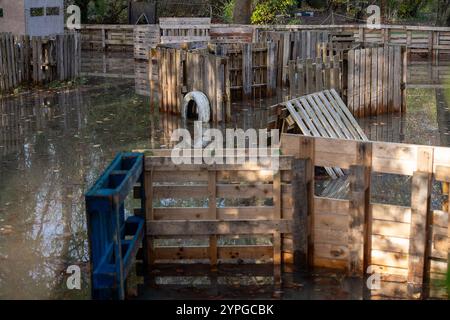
(53, 145)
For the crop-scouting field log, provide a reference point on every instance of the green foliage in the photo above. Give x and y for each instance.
(227, 11)
(266, 11)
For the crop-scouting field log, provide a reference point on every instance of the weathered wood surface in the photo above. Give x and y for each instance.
(146, 37)
(324, 114)
(102, 37)
(406, 245)
(376, 81)
(38, 60)
(224, 72)
(177, 30)
(219, 185)
(307, 76)
(292, 46)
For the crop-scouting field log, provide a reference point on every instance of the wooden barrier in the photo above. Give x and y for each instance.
(356, 233)
(376, 80)
(427, 40)
(224, 72)
(313, 75)
(293, 45)
(205, 72)
(251, 67)
(177, 30)
(231, 34)
(107, 37)
(38, 60)
(146, 37)
(217, 214)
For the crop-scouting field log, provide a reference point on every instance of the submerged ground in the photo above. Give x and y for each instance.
(54, 144)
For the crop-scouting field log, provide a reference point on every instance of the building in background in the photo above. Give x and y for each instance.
(32, 17)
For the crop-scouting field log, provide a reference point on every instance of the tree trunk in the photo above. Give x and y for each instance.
(242, 11)
(443, 16)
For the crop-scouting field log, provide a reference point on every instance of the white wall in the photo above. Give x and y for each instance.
(44, 25)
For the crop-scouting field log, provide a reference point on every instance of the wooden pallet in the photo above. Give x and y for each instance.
(324, 114)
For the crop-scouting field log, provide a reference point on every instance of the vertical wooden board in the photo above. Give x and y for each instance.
(159, 57)
(390, 84)
(385, 82)
(271, 69)
(351, 81)
(318, 76)
(420, 220)
(367, 82)
(286, 55)
(380, 81)
(359, 214)
(373, 81)
(212, 203)
(397, 95)
(247, 70)
(220, 86)
(404, 78)
(292, 79)
(362, 84)
(309, 76)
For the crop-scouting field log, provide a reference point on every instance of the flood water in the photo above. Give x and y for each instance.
(54, 144)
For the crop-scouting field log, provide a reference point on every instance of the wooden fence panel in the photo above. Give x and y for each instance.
(38, 60)
(376, 80)
(407, 246)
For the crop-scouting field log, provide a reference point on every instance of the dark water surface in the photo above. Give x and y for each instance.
(53, 145)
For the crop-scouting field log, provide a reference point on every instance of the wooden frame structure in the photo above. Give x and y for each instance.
(408, 246)
(38, 60)
(176, 30)
(216, 185)
(224, 72)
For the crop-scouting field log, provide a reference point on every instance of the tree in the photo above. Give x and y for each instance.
(84, 8)
(443, 10)
(242, 11)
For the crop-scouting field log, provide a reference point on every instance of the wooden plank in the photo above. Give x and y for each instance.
(212, 203)
(211, 227)
(300, 215)
(420, 218)
(359, 212)
(247, 76)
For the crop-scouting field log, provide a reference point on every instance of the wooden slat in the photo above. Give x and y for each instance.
(211, 227)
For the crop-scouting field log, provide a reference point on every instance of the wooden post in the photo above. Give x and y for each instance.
(306, 151)
(359, 240)
(271, 69)
(212, 201)
(148, 187)
(300, 216)
(420, 220)
(247, 74)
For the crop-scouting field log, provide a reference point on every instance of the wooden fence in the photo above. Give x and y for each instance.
(313, 75)
(427, 40)
(252, 69)
(293, 45)
(177, 30)
(216, 227)
(107, 37)
(38, 60)
(225, 73)
(146, 37)
(205, 72)
(407, 245)
(376, 80)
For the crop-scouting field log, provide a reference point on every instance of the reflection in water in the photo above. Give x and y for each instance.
(53, 145)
